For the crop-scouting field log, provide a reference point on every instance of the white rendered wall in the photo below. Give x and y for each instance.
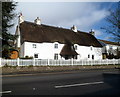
(47, 51)
(22, 50)
(44, 50)
(18, 38)
(84, 51)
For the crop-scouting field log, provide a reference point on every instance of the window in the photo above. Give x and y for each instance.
(56, 56)
(92, 56)
(34, 46)
(91, 48)
(56, 46)
(88, 56)
(35, 55)
(75, 47)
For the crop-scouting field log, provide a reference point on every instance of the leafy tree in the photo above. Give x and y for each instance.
(114, 23)
(7, 15)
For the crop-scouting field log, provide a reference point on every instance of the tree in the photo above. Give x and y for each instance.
(114, 23)
(7, 15)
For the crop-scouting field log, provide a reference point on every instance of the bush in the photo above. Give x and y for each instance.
(6, 65)
(26, 57)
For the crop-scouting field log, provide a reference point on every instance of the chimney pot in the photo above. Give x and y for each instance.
(21, 18)
(92, 32)
(74, 28)
(37, 21)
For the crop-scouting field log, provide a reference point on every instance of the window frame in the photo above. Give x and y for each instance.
(34, 45)
(93, 57)
(91, 48)
(75, 47)
(56, 46)
(56, 56)
(88, 55)
(35, 55)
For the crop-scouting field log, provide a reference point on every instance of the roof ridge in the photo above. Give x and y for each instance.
(56, 27)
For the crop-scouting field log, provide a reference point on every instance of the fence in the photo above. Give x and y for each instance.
(50, 62)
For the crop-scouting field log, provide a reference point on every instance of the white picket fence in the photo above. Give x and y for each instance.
(50, 62)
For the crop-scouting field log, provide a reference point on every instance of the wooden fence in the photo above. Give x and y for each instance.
(50, 62)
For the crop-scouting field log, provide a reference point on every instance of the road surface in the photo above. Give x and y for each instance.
(62, 83)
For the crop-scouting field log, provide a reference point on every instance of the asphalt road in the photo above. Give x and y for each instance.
(64, 83)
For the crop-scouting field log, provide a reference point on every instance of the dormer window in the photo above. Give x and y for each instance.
(91, 48)
(75, 47)
(56, 46)
(34, 46)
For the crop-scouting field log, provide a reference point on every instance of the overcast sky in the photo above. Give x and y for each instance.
(85, 15)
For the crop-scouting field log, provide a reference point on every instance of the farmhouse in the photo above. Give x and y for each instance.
(110, 49)
(42, 41)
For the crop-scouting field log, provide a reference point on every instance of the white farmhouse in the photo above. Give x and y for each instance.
(48, 42)
(110, 48)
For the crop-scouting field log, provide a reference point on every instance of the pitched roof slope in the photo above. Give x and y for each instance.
(67, 50)
(32, 32)
(109, 42)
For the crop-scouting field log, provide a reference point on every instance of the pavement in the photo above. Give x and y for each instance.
(70, 83)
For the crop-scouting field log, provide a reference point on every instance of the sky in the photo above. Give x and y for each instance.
(84, 15)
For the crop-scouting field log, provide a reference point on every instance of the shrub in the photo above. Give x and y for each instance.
(26, 57)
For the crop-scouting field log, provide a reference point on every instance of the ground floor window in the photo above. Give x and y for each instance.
(35, 55)
(56, 56)
(75, 57)
(92, 56)
(88, 56)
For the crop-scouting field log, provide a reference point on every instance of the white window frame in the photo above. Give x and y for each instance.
(76, 47)
(36, 54)
(34, 45)
(56, 56)
(56, 46)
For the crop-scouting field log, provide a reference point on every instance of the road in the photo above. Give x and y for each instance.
(62, 83)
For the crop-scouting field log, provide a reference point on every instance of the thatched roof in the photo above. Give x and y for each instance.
(68, 50)
(32, 32)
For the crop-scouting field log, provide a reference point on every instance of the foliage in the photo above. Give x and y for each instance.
(7, 15)
(114, 56)
(114, 23)
(26, 57)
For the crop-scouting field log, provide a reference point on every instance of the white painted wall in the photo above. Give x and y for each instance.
(47, 51)
(44, 50)
(22, 50)
(18, 38)
(84, 51)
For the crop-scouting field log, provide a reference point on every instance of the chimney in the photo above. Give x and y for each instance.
(92, 32)
(21, 18)
(74, 28)
(37, 21)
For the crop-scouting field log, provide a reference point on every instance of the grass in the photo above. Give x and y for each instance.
(21, 69)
